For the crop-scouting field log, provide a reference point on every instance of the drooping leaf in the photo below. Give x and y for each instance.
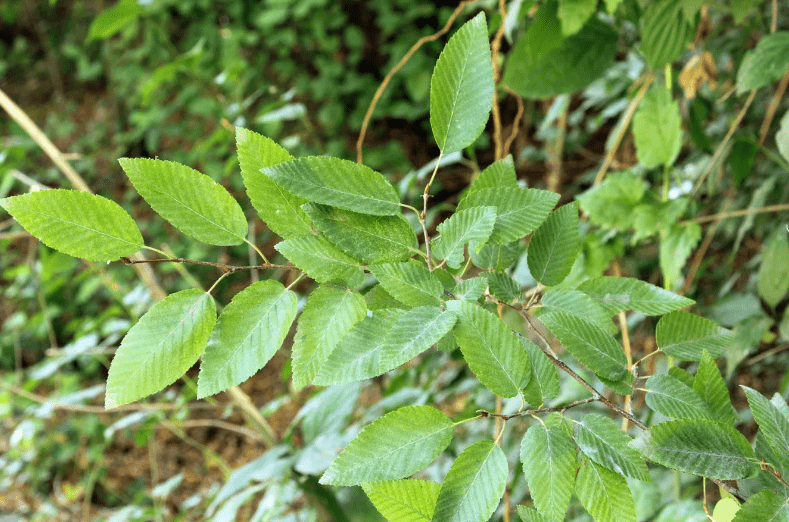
(670, 397)
(518, 211)
(277, 207)
(573, 14)
(371, 239)
(492, 351)
(474, 484)
(664, 32)
(676, 244)
(765, 64)
(473, 225)
(657, 128)
(711, 387)
(685, 336)
(606, 444)
(575, 302)
(701, 447)
(321, 260)
(617, 294)
(773, 276)
(773, 425)
(395, 446)
(76, 223)
(544, 381)
(613, 202)
(529, 514)
(412, 333)
(247, 334)
(461, 89)
(114, 19)
(403, 500)
(554, 246)
(764, 506)
(328, 315)
(409, 283)
(604, 494)
(498, 174)
(337, 182)
(548, 457)
(164, 343)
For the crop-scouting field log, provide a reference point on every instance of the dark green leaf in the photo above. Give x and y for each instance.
(617, 294)
(498, 174)
(413, 333)
(409, 283)
(773, 276)
(604, 494)
(685, 336)
(672, 398)
(321, 260)
(764, 506)
(575, 302)
(554, 246)
(544, 381)
(548, 457)
(502, 286)
(765, 64)
(773, 425)
(741, 157)
(710, 386)
(605, 443)
(664, 32)
(473, 225)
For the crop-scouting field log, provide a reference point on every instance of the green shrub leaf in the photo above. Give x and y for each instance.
(664, 32)
(544, 381)
(498, 174)
(471, 289)
(672, 398)
(765, 64)
(76, 223)
(763, 506)
(575, 302)
(772, 425)
(573, 14)
(604, 494)
(548, 457)
(617, 294)
(403, 500)
(502, 286)
(676, 244)
(413, 333)
(710, 386)
(554, 246)
(473, 225)
(685, 336)
(782, 136)
(114, 19)
(613, 202)
(773, 276)
(657, 128)
(606, 444)
(321, 260)
(529, 514)
(409, 283)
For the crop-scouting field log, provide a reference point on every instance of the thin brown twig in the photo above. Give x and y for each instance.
(561, 409)
(774, 22)
(738, 213)
(627, 348)
(227, 269)
(495, 46)
(216, 423)
(555, 149)
(767, 353)
(773, 108)
(515, 123)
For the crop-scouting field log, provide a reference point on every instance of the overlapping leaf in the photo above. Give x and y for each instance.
(544, 381)
(498, 174)
(529, 514)
(616, 294)
(664, 32)
(573, 14)
(548, 457)
(473, 225)
(403, 500)
(764, 506)
(765, 64)
(672, 398)
(710, 386)
(502, 286)
(471, 289)
(412, 333)
(773, 425)
(321, 260)
(657, 129)
(606, 444)
(575, 302)
(554, 246)
(409, 283)
(604, 494)
(685, 336)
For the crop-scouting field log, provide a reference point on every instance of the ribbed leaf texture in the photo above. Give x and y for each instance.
(497, 257)
(473, 225)
(191, 201)
(773, 425)
(321, 260)
(606, 444)
(575, 302)
(403, 500)
(548, 457)
(685, 336)
(498, 174)
(701, 447)
(76, 223)
(503, 286)
(664, 32)
(328, 315)
(764, 506)
(461, 89)
(471, 289)
(710, 386)
(371, 239)
(672, 398)
(604, 494)
(554, 246)
(528, 514)
(589, 343)
(493, 351)
(657, 129)
(772, 280)
(412, 333)
(617, 294)
(765, 64)
(164, 343)
(247, 334)
(277, 207)
(518, 211)
(474, 484)
(544, 381)
(409, 283)
(394, 446)
(337, 182)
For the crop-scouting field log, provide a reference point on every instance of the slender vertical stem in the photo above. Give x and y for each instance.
(425, 197)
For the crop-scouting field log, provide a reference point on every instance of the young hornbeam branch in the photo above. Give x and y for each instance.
(227, 269)
(560, 409)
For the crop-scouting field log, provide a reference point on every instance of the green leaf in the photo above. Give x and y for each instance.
(573, 14)
(548, 457)
(590, 344)
(606, 444)
(461, 90)
(328, 315)
(403, 500)
(277, 207)
(664, 32)
(76, 223)
(518, 211)
(528, 514)
(701, 447)
(782, 137)
(554, 246)
(471, 289)
(672, 398)
(710, 386)
(493, 351)
(773, 277)
(496, 257)
(321, 260)
(685, 336)
(617, 294)
(337, 182)
(772, 425)
(657, 128)
(676, 245)
(164, 343)
(409, 283)
(765, 64)
(114, 19)
(192, 202)
(544, 381)
(247, 334)
(575, 302)
(725, 509)
(473, 225)
(743, 153)
(371, 239)
(604, 494)
(764, 506)
(502, 286)
(498, 174)
(394, 446)
(413, 333)
(613, 201)
(474, 484)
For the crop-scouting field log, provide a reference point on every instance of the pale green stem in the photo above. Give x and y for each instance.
(256, 250)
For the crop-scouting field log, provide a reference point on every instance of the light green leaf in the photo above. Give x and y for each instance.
(573, 14)
(701, 447)
(471, 289)
(604, 494)
(548, 457)
(409, 283)
(277, 207)
(544, 381)
(725, 509)
(518, 211)
(337, 182)
(773, 277)
(676, 244)
(498, 174)
(575, 302)
(613, 202)
(765, 64)
(657, 128)
(710, 386)
(554, 246)
(321, 260)
(617, 294)
(528, 514)
(76, 223)
(493, 351)
(496, 257)
(740, 9)
(670, 397)
(247, 334)
(413, 333)
(461, 90)
(772, 425)
(191, 201)
(114, 19)
(164, 343)
(764, 506)
(782, 136)
(472, 225)
(371, 239)
(605, 443)
(394, 446)
(502, 286)
(403, 500)
(685, 336)
(474, 484)
(590, 344)
(611, 5)
(664, 32)
(328, 315)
